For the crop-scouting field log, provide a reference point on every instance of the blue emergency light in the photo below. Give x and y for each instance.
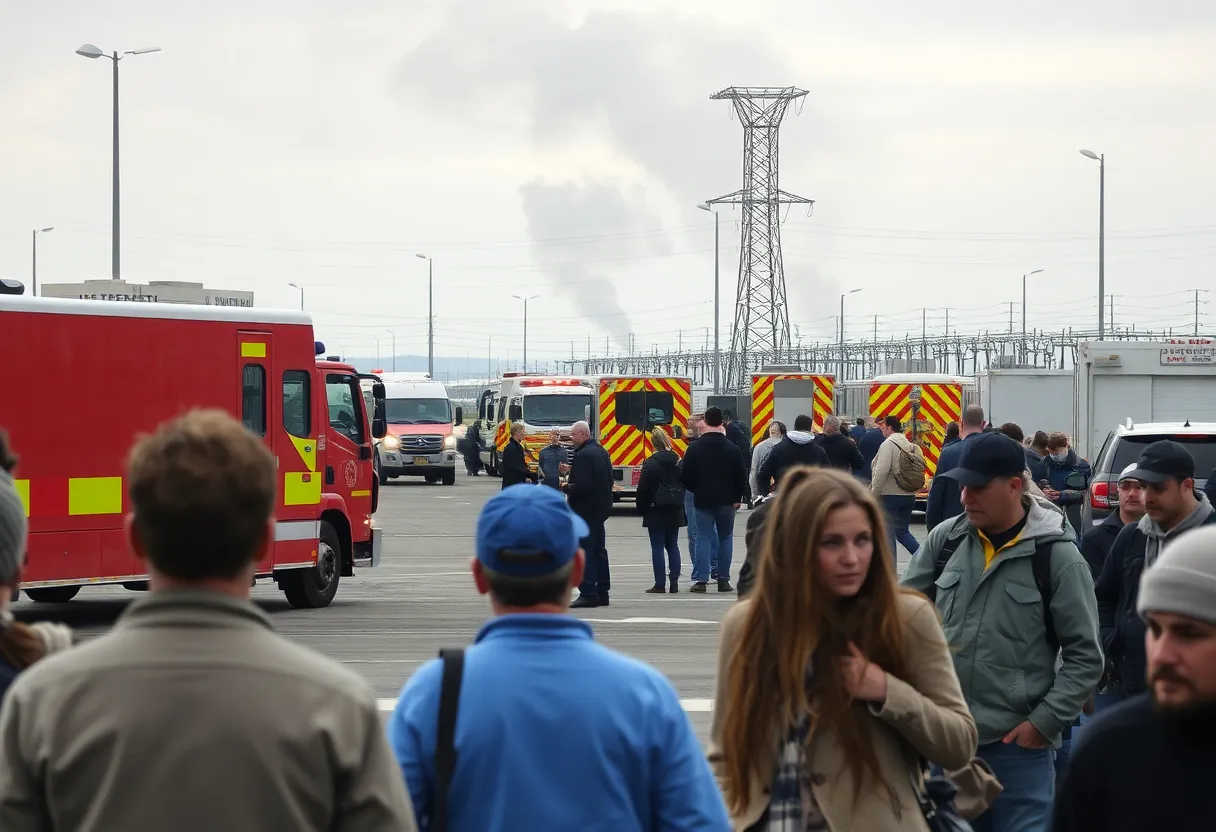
(319, 347)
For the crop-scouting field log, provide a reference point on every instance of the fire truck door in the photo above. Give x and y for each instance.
(348, 468)
(259, 396)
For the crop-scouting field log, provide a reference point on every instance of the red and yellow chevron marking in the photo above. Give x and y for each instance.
(940, 404)
(502, 435)
(763, 401)
(628, 445)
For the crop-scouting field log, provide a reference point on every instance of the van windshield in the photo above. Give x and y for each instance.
(418, 411)
(555, 410)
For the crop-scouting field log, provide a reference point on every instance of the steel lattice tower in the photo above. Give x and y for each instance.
(762, 320)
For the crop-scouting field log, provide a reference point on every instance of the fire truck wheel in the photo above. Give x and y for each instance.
(316, 587)
(53, 594)
(449, 477)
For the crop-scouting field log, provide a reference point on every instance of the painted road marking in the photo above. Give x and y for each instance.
(643, 620)
(692, 706)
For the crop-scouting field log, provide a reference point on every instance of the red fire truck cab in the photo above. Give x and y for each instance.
(100, 373)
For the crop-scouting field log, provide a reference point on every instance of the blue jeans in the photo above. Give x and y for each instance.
(1029, 778)
(665, 538)
(1102, 701)
(690, 513)
(898, 508)
(715, 542)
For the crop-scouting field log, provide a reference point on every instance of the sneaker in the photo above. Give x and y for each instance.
(724, 586)
(699, 586)
(657, 589)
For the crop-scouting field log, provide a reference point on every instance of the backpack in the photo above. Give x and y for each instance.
(910, 469)
(1040, 566)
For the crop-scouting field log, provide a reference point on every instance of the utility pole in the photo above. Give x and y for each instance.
(1112, 313)
(489, 352)
(33, 275)
(875, 327)
(1196, 311)
(1010, 317)
(1028, 274)
(947, 321)
(394, 334)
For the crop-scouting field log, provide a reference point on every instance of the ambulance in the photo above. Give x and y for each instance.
(106, 372)
(622, 412)
(542, 403)
(925, 403)
(783, 395)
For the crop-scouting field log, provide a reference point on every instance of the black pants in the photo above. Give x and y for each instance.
(596, 578)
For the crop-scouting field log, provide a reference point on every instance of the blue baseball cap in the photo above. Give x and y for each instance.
(528, 530)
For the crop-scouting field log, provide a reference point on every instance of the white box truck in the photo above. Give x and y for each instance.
(1146, 381)
(1033, 399)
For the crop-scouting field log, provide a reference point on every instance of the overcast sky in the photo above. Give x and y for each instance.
(558, 148)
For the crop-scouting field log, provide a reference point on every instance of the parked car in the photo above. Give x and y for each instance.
(1123, 446)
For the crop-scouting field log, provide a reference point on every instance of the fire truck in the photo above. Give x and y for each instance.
(107, 372)
(623, 411)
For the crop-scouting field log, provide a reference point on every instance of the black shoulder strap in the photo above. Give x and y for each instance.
(445, 742)
(1040, 564)
(939, 564)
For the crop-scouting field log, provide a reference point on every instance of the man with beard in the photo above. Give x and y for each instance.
(1149, 762)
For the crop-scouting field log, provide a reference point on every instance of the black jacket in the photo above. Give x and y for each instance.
(752, 538)
(713, 471)
(741, 440)
(945, 495)
(1117, 588)
(661, 469)
(786, 455)
(841, 451)
(1036, 465)
(589, 485)
(1133, 769)
(869, 444)
(1096, 543)
(514, 468)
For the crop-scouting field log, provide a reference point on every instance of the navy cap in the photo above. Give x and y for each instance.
(986, 457)
(528, 530)
(1161, 461)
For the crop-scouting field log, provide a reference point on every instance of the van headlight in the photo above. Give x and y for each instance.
(449, 443)
(390, 442)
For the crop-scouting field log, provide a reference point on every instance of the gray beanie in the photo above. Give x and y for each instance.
(1183, 579)
(12, 528)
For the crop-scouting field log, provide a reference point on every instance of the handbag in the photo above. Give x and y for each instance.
(935, 794)
(668, 496)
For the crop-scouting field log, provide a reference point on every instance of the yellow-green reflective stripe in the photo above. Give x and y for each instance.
(250, 349)
(23, 491)
(301, 489)
(94, 495)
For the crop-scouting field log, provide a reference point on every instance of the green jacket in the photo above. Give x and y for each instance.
(993, 620)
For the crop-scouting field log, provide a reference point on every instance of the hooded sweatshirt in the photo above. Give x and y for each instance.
(1156, 536)
(797, 448)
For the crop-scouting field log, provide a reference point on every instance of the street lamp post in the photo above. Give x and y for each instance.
(842, 297)
(1101, 160)
(430, 313)
(301, 288)
(525, 300)
(91, 51)
(393, 333)
(34, 259)
(704, 206)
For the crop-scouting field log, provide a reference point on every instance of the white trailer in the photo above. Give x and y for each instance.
(1032, 399)
(1146, 381)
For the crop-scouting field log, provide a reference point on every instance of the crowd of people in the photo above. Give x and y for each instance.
(847, 697)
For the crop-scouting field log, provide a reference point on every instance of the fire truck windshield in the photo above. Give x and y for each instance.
(549, 410)
(418, 411)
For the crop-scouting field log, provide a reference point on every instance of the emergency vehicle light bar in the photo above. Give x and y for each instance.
(551, 382)
(318, 347)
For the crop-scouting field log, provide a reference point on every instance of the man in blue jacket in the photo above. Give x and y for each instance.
(552, 730)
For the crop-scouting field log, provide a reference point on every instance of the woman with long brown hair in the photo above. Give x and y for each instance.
(833, 682)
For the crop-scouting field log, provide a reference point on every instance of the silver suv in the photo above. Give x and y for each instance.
(1123, 446)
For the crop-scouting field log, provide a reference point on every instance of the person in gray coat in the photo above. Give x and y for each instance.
(192, 714)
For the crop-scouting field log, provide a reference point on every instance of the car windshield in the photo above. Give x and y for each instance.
(555, 410)
(1203, 448)
(418, 411)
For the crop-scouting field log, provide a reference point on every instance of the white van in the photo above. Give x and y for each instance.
(420, 441)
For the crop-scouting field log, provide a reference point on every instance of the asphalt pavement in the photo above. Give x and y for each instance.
(384, 622)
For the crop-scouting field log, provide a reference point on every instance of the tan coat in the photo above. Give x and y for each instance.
(925, 713)
(192, 715)
(886, 462)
